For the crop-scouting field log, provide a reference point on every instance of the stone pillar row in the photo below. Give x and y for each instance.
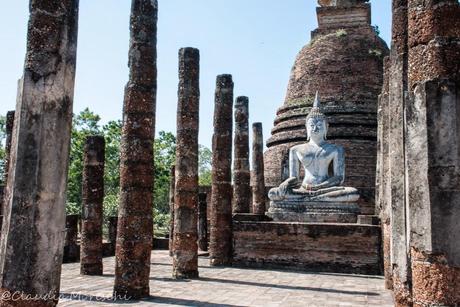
(38, 162)
(220, 245)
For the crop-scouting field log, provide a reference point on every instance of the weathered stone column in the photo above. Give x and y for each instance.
(433, 154)
(397, 94)
(172, 184)
(258, 182)
(185, 253)
(71, 253)
(241, 172)
(113, 221)
(383, 195)
(220, 245)
(93, 198)
(202, 221)
(135, 223)
(33, 235)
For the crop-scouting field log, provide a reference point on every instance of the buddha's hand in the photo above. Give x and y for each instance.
(284, 189)
(287, 186)
(312, 187)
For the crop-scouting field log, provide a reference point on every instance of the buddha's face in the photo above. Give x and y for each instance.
(316, 129)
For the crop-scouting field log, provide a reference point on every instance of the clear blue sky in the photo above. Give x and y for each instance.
(254, 40)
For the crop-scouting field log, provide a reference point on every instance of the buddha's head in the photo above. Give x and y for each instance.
(316, 123)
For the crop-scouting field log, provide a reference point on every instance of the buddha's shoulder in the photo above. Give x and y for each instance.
(330, 147)
(300, 147)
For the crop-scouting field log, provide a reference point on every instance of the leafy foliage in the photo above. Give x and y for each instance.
(87, 123)
(205, 164)
(83, 125)
(164, 159)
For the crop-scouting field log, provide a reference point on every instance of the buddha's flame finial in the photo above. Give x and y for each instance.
(316, 111)
(316, 103)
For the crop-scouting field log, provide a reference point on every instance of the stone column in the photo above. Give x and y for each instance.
(185, 253)
(33, 234)
(202, 221)
(220, 245)
(9, 133)
(433, 152)
(241, 172)
(397, 94)
(172, 183)
(113, 221)
(93, 198)
(258, 182)
(383, 197)
(135, 223)
(71, 238)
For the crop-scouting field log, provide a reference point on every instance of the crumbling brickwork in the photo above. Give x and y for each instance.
(344, 63)
(241, 172)
(92, 202)
(185, 250)
(220, 244)
(71, 248)
(172, 184)
(350, 248)
(433, 127)
(258, 181)
(135, 223)
(203, 221)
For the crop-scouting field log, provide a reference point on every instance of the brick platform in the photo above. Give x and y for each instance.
(345, 248)
(228, 287)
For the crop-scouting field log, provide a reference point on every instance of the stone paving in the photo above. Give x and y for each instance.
(230, 287)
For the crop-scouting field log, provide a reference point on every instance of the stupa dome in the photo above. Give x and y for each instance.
(344, 63)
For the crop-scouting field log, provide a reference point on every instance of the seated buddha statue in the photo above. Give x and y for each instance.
(317, 157)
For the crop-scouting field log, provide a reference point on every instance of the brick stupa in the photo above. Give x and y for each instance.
(344, 62)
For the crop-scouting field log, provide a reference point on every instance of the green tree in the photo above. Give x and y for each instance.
(164, 159)
(87, 123)
(112, 134)
(84, 124)
(205, 164)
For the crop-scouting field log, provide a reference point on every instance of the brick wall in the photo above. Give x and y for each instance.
(346, 248)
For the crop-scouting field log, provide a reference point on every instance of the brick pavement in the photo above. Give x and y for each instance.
(227, 287)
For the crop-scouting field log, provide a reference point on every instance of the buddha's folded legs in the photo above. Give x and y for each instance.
(332, 194)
